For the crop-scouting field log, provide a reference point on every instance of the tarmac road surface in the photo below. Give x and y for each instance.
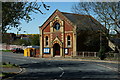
(41, 68)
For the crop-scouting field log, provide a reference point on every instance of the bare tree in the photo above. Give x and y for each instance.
(106, 13)
(14, 12)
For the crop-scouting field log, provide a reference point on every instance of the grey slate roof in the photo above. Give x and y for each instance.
(85, 22)
(116, 41)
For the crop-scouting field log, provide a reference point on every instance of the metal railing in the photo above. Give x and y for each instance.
(87, 54)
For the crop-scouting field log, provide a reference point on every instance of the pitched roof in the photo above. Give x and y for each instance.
(116, 41)
(84, 22)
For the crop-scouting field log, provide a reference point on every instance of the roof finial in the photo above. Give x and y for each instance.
(57, 10)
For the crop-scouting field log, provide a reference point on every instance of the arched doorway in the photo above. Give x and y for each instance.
(56, 49)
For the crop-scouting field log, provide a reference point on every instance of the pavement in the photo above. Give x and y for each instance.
(12, 70)
(78, 59)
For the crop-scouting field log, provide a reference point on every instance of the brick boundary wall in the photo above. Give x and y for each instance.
(9, 47)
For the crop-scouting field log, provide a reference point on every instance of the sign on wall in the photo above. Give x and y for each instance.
(66, 50)
(46, 50)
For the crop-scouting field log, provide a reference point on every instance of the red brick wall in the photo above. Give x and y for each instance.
(71, 34)
(46, 55)
(62, 18)
(44, 35)
(67, 27)
(47, 29)
(57, 34)
(70, 50)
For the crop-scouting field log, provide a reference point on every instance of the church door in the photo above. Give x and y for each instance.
(56, 49)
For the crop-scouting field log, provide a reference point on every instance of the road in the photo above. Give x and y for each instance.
(41, 68)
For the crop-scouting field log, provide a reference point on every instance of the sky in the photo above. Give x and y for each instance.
(33, 26)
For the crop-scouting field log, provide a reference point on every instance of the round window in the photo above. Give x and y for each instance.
(57, 26)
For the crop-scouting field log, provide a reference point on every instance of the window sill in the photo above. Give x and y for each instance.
(69, 46)
(46, 46)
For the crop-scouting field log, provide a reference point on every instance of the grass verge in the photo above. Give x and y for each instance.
(7, 65)
(112, 59)
(91, 58)
(6, 75)
(6, 50)
(97, 58)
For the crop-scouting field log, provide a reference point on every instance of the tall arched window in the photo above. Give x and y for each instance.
(68, 41)
(46, 41)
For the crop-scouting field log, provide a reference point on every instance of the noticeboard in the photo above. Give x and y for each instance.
(66, 50)
(46, 50)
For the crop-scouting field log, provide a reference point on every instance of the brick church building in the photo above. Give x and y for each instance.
(58, 34)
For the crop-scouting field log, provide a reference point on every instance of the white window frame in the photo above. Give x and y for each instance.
(68, 41)
(46, 41)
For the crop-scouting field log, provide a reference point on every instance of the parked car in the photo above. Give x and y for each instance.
(17, 50)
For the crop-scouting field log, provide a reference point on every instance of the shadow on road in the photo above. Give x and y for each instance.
(47, 64)
(68, 75)
(46, 71)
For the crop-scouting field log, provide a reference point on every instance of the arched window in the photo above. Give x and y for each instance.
(68, 41)
(46, 41)
(57, 26)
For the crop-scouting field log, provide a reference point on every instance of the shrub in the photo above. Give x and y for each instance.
(4, 63)
(8, 62)
(102, 54)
